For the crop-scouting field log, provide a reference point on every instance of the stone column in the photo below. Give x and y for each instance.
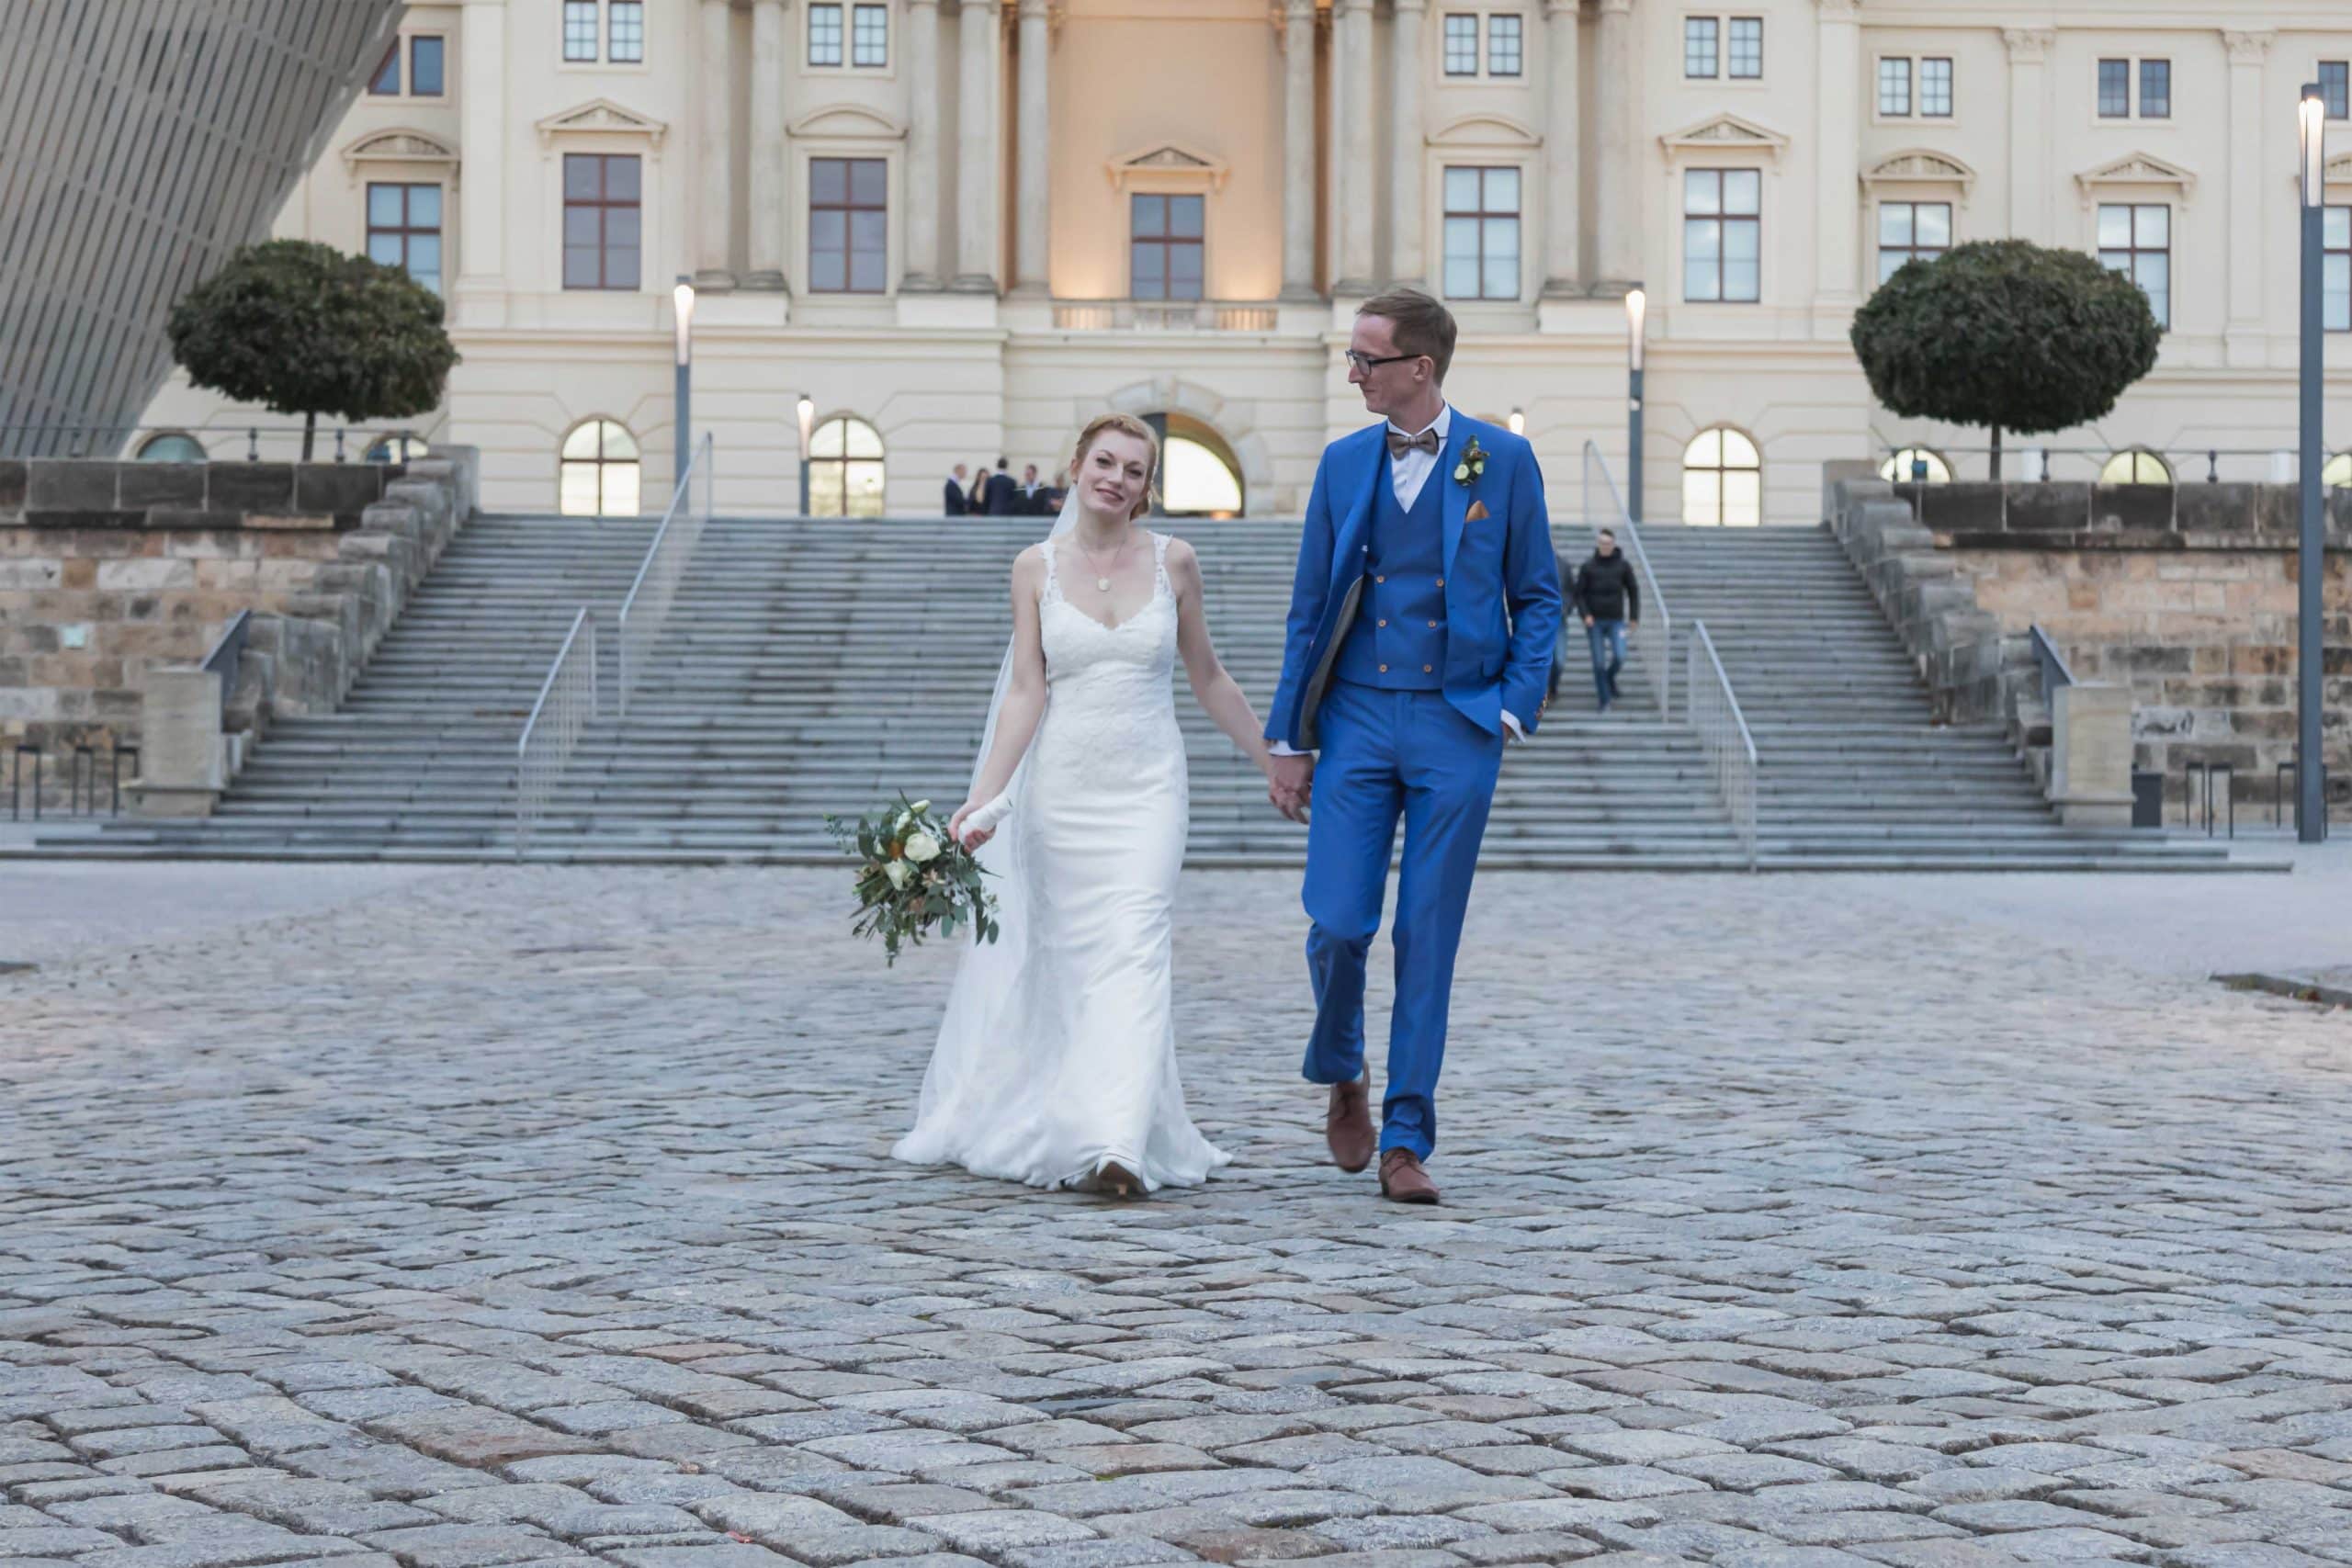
(1353, 103)
(922, 145)
(2028, 132)
(715, 76)
(1299, 149)
(1033, 219)
(765, 222)
(2243, 342)
(481, 125)
(1838, 166)
(1408, 178)
(976, 153)
(1563, 154)
(1618, 239)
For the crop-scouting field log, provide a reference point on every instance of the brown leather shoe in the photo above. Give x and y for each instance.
(1347, 1126)
(1402, 1179)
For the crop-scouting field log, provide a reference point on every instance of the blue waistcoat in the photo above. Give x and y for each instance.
(1398, 640)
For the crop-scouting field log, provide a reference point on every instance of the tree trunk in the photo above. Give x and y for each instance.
(1997, 454)
(309, 430)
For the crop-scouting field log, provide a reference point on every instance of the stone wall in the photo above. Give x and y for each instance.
(2186, 593)
(109, 568)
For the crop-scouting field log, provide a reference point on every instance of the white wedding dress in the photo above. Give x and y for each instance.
(1058, 1053)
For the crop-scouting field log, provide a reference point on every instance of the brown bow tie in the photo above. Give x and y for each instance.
(1399, 442)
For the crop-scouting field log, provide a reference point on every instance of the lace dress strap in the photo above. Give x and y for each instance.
(1052, 589)
(1159, 582)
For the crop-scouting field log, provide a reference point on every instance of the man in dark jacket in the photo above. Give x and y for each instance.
(958, 502)
(1610, 599)
(1004, 494)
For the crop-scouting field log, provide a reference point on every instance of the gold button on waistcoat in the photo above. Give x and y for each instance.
(1383, 669)
(1432, 626)
(1383, 622)
(1441, 582)
(1426, 669)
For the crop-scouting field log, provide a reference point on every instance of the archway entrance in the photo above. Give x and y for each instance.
(1200, 477)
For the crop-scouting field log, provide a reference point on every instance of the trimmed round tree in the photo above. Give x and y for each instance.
(303, 327)
(2006, 334)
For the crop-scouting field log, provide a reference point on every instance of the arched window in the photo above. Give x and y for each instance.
(846, 469)
(599, 471)
(1905, 467)
(397, 447)
(1195, 481)
(1723, 480)
(2134, 466)
(171, 447)
(2336, 474)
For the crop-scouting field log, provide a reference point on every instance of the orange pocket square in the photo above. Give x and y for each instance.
(1478, 512)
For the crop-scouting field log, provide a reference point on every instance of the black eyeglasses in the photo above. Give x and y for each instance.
(1366, 361)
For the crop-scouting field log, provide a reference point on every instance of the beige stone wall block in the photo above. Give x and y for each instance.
(20, 576)
(144, 575)
(283, 576)
(291, 523)
(34, 703)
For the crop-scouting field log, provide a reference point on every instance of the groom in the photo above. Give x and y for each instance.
(1422, 632)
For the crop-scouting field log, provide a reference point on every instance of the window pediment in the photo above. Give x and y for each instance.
(398, 146)
(1487, 130)
(1167, 166)
(2337, 171)
(1725, 133)
(848, 120)
(1919, 165)
(601, 117)
(2138, 170)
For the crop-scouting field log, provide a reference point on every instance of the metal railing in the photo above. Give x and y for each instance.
(228, 654)
(646, 609)
(2031, 463)
(566, 705)
(1654, 636)
(2054, 672)
(1723, 734)
(217, 443)
(1163, 315)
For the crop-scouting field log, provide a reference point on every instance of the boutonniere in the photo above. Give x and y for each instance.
(1468, 472)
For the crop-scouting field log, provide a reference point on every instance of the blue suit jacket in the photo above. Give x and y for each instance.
(1502, 587)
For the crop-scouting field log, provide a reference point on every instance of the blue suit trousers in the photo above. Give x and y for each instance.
(1387, 754)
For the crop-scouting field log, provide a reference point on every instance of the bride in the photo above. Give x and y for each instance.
(1055, 1063)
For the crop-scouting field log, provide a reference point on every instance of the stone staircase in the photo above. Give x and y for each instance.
(819, 667)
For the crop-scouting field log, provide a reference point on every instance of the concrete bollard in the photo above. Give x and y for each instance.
(181, 770)
(2090, 770)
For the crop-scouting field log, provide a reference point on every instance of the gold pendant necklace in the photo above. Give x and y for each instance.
(1103, 578)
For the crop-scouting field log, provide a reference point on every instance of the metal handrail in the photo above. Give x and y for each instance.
(1724, 736)
(1656, 624)
(2175, 458)
(640, 623)
(2054, 672)
(567, 703)
(227, 652)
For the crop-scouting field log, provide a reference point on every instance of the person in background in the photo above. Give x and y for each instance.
(1610, 599)
(957, 497)
(1004, 495)
(1032, 491)
(976, 501)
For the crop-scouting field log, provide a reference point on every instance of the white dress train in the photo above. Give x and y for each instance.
(1058, 1052)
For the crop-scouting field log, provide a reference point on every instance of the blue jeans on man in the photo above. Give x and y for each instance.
(1608, 640)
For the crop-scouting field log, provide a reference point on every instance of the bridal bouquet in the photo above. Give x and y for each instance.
(912, 877)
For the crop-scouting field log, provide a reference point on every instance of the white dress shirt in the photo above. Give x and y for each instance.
(1407, 475)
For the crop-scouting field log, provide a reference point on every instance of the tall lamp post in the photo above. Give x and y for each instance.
(1638, 305)
(683, 300)
(2310, 800)
(808, 411)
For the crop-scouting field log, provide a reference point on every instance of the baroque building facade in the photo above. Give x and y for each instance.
(960, 227)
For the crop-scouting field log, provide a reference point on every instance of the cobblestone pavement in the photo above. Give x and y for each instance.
(544, 1216)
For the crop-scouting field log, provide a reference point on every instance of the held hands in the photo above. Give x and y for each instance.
(1290, 784)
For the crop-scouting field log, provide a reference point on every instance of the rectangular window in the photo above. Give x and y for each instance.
(625, 32)
(2335, 87)
(386, 83)
(1910, 230)
(2156, 89)
(1481, 233)
(1746, 47)
(1895, 86)
(1505, 48)
(404, 230)
(869, 42)
(603, 220)
(1699, 46)
(1935, 88)
(824, 35)
(2136, 240)
(1164, 254)
(848, 201)
(2335, 278)
(580, 29)
(425, 56)
(1460, 44)
(2114, 89)
(1723, 235)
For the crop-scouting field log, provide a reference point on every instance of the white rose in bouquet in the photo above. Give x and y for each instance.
(922, 849)
(900, 873)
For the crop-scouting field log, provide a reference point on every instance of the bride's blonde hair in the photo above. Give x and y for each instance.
(1126, 425)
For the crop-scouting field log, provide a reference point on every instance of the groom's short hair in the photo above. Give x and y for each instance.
(1422, 326)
